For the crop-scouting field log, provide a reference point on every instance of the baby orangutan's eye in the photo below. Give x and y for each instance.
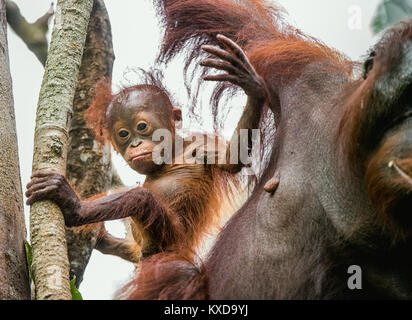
(123, 134)
(142, 126)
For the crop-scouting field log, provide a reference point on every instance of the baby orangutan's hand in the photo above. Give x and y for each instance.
(46, 185)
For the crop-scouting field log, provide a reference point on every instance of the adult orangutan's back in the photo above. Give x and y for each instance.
(342, 152)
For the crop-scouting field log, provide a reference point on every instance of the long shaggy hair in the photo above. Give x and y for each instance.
(278, 51)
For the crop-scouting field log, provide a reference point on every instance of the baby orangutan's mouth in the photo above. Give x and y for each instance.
(140, 156)
(402, 173)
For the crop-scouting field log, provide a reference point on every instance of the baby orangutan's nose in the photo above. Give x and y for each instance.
(136, 143)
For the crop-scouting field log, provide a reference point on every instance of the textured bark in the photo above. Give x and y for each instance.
(14, 279)
(89, 167)
(32, 34)
(50, 262)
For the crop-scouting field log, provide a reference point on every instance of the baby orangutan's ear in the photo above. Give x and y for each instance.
(177, 114)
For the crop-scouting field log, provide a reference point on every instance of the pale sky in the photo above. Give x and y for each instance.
(342, 24)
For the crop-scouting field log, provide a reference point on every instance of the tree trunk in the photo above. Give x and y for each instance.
(14, 279)
(88, 165)
(50, 263)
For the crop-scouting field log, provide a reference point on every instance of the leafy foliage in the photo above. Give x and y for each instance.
(29, 258)
(390, 12)
(76, 295)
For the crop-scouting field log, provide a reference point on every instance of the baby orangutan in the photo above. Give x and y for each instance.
(178, 201)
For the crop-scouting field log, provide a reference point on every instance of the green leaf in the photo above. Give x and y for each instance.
(29, 259)
(76, 295)
(390, 12)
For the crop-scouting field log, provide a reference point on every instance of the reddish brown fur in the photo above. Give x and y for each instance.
(167, 271)
(279, 53)
(95, 115)
(197, 208)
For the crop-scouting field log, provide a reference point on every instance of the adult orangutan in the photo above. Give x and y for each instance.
(186, 182)
(337, 190)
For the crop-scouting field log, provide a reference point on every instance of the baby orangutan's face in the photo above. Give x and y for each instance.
(133, 118)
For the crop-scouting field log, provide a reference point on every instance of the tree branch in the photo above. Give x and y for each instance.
(50, 264)
(32, 34)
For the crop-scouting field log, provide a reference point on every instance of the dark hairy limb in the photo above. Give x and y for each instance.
(163, 228)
